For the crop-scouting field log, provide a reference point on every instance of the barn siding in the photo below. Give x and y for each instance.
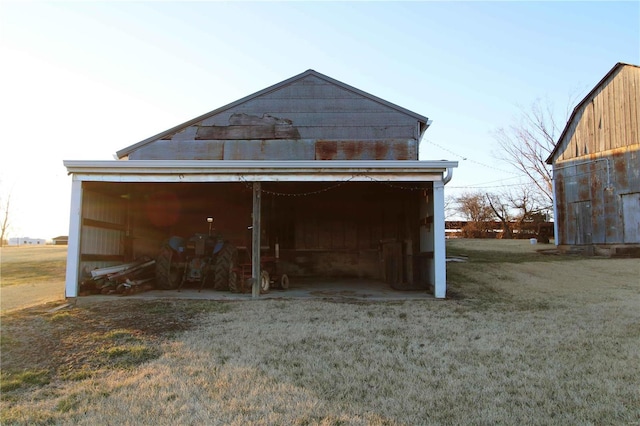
(609, 121)
(293, 123)
(596, 164)
(601, 182)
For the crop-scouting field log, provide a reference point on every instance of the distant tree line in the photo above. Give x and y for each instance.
(516, 213)
(523, 211)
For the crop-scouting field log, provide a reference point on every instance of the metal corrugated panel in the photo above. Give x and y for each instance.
(589, 195)
(101, 241)
(104, 208)
(103, 218)
(308, 86)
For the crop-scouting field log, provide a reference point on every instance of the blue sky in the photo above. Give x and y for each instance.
(82, 80)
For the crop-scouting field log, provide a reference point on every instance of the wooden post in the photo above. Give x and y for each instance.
(255, 244)
(73, 248)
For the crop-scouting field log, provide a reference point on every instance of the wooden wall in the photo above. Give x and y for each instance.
(610, 120)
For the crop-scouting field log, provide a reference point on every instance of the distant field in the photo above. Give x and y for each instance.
(31, 275)
(32, 264)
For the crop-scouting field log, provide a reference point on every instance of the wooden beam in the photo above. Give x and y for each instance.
(255, 245)
(102, 258)
(103, 225)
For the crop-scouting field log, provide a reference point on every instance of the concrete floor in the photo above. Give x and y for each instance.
(300, 288)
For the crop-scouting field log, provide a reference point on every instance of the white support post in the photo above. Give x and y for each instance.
(555, 208)
(255, 245)
(439, 249)
(73, 248)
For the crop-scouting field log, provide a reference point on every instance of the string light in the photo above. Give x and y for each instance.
(297, 194)
(249, 186)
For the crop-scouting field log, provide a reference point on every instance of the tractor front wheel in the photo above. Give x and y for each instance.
(167, 274)
(224, 264)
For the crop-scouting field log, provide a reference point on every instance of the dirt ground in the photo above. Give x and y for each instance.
(27, 295)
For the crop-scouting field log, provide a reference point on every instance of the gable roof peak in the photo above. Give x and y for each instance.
(584, 100)
(126, 151)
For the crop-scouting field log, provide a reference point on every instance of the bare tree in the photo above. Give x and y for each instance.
(450, 207)
(527, 143)
(502, 211)
(527, 204)
(518, 209)
(475, 208)
(4, 216)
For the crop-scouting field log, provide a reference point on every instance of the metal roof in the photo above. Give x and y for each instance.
(586, 99)
(310, 72)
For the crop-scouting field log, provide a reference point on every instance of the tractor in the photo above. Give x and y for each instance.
(270, 276)
(203, 259)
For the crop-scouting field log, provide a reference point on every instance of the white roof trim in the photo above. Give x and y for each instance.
(257, 171)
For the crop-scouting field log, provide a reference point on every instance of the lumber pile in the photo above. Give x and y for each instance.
(128, 278)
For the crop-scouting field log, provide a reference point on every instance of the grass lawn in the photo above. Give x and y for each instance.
(524, 338)
(25, 264)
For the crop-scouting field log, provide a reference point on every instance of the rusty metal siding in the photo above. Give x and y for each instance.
(283, 149)
(280, 149)
(600, 183)
(286, 123)
(631, 217)
(363, 150)
(181, 150)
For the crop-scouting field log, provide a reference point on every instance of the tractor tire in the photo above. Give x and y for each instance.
(234, 285)
(265, 280)
(168, 277)
(224, 263)
(284, 282)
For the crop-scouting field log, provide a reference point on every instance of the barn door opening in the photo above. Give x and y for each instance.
(631, 217)
(583, 225)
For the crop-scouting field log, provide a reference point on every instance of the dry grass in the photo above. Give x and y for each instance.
(18, 264)
(537, 340)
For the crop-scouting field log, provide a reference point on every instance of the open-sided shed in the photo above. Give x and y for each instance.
(319, 172)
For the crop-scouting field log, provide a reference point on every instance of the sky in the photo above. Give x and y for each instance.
(82, 80)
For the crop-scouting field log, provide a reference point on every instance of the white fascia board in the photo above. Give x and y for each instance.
(260, 177)
(209, 170)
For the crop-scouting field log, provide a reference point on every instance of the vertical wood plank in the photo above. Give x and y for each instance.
(633, 97)
(255, 244)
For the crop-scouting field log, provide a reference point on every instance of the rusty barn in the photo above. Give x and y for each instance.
(319, 173)
(596, 168)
